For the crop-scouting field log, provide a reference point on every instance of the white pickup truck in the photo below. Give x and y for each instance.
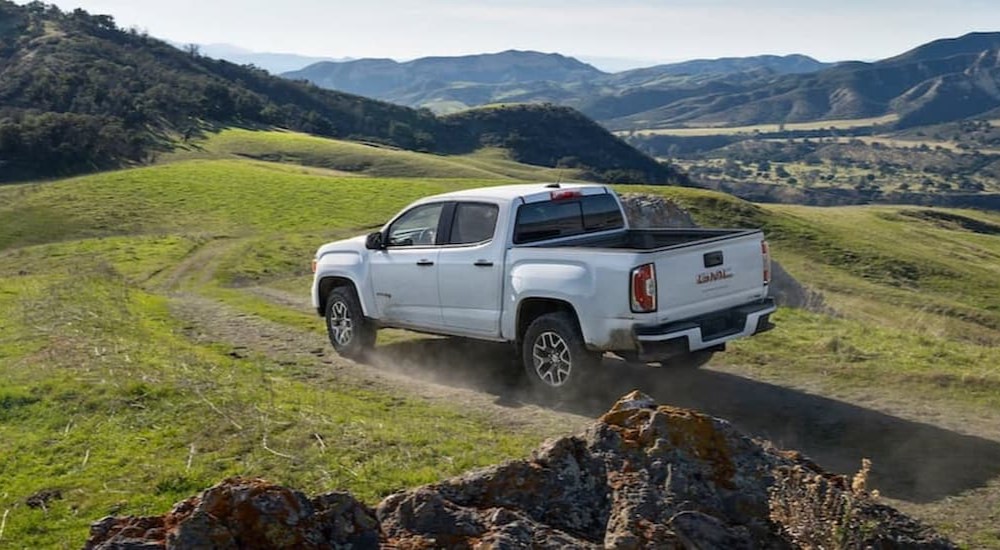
(553, 269)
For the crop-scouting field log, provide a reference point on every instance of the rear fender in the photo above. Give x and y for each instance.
(569, 282)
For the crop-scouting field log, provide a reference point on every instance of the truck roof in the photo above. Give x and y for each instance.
(512, 192)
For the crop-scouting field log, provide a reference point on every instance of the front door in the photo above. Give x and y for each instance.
(405, 273)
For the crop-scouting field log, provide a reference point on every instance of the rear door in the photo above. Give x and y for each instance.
(471, 268)
(705, 277)
(404, 274)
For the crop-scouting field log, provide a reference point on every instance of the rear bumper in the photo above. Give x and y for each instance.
(709, 331)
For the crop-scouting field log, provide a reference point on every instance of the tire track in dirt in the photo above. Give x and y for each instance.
(209, 321)
(198, 266)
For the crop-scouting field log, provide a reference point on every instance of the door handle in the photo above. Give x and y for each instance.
(425, 263)
(483, 263)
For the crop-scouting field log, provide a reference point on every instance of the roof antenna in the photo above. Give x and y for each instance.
(558, 180)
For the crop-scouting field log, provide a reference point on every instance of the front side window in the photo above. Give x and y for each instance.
(474, 222)
(418, 227)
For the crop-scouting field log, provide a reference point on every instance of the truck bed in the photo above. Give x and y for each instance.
(648, 239)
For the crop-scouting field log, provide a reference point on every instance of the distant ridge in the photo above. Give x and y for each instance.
(786, 64)
(272, 62)
(381, 78)
(447, 84)
(941, 81)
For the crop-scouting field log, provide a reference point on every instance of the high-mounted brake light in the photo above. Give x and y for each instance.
(643, 289)
(766, 251)
(562, 195)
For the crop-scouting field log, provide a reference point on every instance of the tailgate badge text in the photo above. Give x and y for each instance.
(713, 276)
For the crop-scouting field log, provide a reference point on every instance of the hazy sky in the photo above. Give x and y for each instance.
(653, 30)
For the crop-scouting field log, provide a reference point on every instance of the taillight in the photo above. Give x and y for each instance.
(314, 265)
(766, 251)
(563, 195)
(644, 289)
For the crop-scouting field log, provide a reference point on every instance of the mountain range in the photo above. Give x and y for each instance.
(446, 84)
(77, 93)
(940, 81)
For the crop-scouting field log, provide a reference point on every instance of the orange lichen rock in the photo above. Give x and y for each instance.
(245, 513)
(641, 476)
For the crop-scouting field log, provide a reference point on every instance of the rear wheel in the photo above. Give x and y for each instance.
(555, 358)
(351, 334)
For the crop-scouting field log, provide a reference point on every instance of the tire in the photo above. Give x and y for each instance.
(351, 334)
(555, 359)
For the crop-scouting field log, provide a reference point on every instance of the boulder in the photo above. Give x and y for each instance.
(641, 476)
(243, 513)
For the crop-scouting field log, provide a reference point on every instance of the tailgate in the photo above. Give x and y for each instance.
(704, 277)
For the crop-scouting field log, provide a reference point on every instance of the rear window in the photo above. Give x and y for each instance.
(563, 218)
(474, 223)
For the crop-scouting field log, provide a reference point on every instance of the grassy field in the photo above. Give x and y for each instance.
(764, 128)
(108, 399)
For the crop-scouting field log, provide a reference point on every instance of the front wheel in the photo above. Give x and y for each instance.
(555, 358)
(351, 334)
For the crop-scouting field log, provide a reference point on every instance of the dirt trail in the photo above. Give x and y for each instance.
(195, 267)
(211, 321)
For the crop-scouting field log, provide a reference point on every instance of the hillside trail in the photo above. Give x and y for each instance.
(209, 320)
(938, 463)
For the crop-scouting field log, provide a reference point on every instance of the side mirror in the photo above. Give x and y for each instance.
(374, 241)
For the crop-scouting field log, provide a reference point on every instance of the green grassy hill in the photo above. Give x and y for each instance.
(369, 159)
(111, 398)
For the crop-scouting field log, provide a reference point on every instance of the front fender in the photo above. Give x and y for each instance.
(345, 264)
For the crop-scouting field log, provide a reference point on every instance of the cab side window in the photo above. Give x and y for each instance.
(474, 222)
(418, 227)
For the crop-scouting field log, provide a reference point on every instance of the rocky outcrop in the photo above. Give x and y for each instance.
(247, 514)
(648, 211)
(641, 476)
(652, 211)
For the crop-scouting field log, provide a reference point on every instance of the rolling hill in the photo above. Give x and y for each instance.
(79, 94)
(342, 157)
